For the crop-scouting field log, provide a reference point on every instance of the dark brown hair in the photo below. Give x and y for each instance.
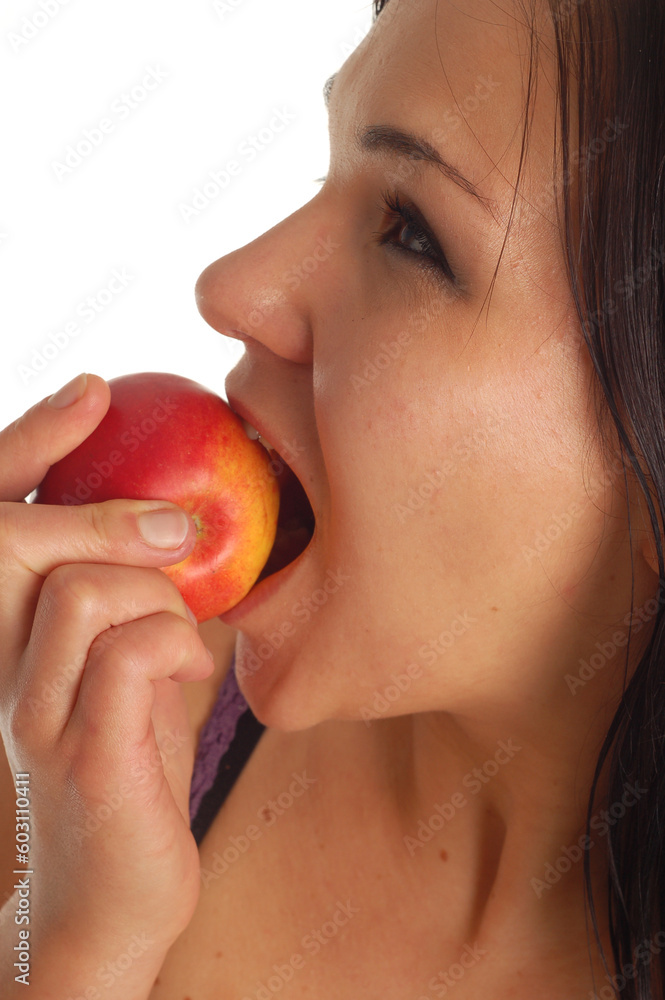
(610, 58)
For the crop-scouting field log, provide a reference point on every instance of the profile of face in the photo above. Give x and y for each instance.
(471, 544)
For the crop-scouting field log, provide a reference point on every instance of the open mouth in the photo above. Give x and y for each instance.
(295, 523)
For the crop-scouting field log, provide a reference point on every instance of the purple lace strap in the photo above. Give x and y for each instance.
(216, 738)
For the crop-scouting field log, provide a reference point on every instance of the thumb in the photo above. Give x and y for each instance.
(47, 432)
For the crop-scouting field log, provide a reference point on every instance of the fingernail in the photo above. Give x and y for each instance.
(190, 614)
(165, 529)
(70, 393)
(210, 654)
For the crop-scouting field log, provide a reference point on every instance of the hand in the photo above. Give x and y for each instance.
(94, 643)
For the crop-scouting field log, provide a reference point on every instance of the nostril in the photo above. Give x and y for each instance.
(238, 301)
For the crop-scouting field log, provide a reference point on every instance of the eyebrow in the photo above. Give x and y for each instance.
(387, 139)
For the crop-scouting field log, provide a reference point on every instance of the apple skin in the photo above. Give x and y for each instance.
(166, 437)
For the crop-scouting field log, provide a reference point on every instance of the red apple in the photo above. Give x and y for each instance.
(165, 437)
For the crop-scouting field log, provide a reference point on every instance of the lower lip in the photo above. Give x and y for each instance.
(263, 591)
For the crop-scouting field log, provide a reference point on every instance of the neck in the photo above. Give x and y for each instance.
(488, 817)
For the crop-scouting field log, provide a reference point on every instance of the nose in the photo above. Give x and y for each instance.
(267, 290)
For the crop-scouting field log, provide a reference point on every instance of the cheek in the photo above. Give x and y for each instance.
(454, 468)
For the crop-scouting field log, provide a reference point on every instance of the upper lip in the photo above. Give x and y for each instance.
(285, 450)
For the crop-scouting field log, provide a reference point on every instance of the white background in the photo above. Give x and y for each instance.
(228, 64)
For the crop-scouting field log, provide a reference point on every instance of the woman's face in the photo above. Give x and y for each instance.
(464, 557)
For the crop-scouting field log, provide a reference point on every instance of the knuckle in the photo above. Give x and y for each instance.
(123, 593)
(127, 648)
(6, 572)
(16, 726)
(9, 531)
(186, 642)
(18, 432)
(180, 629)
(100, 519)
(75, 588)
(19, 725)
(114, 649)
(176, 628)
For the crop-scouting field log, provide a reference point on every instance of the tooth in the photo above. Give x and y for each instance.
(250, 431)
(254, 435)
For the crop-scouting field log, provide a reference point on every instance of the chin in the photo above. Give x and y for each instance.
(289, 696)
(273, 693)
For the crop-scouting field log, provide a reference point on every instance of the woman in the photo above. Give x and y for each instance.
(468, 383)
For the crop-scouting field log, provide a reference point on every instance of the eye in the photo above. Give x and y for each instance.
(408, 220)
(420, 242)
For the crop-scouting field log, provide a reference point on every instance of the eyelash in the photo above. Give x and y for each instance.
(432, 258)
